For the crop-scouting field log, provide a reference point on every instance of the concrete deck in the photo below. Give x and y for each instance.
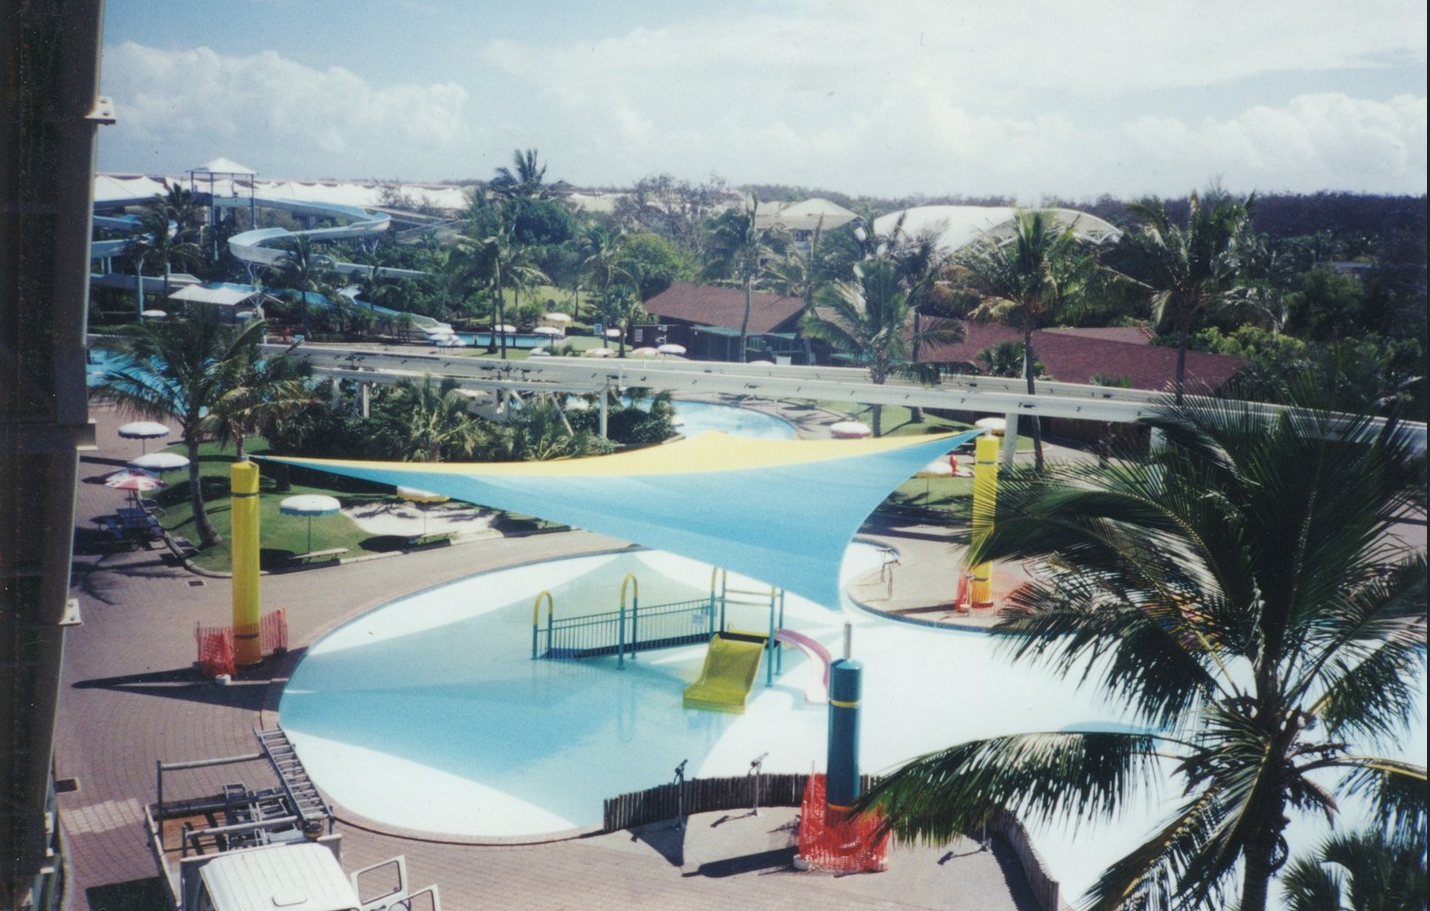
(130, 696)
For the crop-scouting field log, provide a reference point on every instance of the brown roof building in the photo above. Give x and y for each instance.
(706, 320)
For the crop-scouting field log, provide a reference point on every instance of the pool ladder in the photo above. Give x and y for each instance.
(301, 791)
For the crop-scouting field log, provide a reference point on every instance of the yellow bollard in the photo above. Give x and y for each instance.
(985, 499)
(243, 486)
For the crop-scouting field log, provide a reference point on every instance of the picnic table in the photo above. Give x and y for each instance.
(316, 556)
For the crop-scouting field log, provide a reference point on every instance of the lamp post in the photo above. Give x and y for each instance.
(139, 285)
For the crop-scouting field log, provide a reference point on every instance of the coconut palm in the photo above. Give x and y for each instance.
(305, 272)
(601, 258)
(496, 260)
(262, 392)
(180, 370)
(525, 180)
(1191, 269)
(1027, 281)
(427, 422)
(162, 242)
(1238, 595)
(740, 251)
(869, 321)
(1365, 871)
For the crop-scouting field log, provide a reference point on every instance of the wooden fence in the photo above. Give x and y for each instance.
(708, 795)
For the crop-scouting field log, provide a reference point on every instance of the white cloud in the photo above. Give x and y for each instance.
(275, 114)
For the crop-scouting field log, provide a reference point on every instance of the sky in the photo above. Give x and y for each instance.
(1032, 99)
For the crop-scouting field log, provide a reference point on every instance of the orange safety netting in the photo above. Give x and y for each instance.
(829, 840)
(215, 649)
(215, 643)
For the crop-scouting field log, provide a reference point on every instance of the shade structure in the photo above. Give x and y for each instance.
(992, 425)
(758, 507)
(645, 351)
(154, 314)
(551, 331)
(598, 352)
(423, 497)
(143, 430)
(671, 348)
(557, 317)
(849, 430)
(504, 328)
(160, 461)
(310, 505)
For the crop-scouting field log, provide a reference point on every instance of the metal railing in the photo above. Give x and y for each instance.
(619, 632)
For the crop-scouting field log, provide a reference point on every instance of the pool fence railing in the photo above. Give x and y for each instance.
(690, 797)
(632, 628)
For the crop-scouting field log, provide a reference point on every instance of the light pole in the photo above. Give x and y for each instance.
(139, 285)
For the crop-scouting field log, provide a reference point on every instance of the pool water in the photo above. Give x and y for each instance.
(698, 417)
(438, 690)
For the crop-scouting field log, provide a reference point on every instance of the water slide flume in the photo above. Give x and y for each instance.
(816, 691)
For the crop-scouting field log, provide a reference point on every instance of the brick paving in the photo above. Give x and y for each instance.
(129, 696)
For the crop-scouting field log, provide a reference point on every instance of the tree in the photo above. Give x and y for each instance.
(1237, 592)
(620, 308)
(1364, 871)
(423, 422)
(261, 393)
(1191, 269)
(526, 178)
(601, 259)
(869, 321)
(653, 263)
(163, 239)
(305, 273)
(741, 252)
(180, 369)
(1028, 280)
(498, 261)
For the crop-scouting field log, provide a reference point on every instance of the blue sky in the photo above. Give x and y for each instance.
(1029, 98)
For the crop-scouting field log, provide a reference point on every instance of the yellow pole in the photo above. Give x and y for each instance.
(243, 485)
(985, 498)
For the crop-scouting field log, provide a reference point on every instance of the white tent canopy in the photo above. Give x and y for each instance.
(959, 226)
(221, 296)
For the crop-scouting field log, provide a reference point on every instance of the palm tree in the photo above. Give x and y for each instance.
(619, 307)
(601, 258)
(304, 271)
(1359, 872)
(265, 391)
(1236, 593)
(1191, 269)
(162, 241)
(526, 179)
(740, 251)
(424, 422)
(498, 261)
(180, 370)
(1027, 281)
(869, 320)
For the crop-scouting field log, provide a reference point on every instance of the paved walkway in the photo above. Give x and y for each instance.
(129, 696)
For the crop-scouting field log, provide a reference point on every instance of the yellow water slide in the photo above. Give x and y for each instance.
(728, 674)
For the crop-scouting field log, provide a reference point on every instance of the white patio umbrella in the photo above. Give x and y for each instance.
(938, 468)
(310, 505)
(143, 430)
(422, 498)
(645, 351)
(552, 331)
(504, 328)
(849, 430)
(557, 317)
(995, 426)
(598, 352)
(671, 348)
(160, 461)
(614, 333)
(136, 482)
(154, 314)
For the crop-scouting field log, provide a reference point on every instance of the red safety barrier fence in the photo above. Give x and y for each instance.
(273, 632)
(215, 649)
(215, 643)
(832, 842)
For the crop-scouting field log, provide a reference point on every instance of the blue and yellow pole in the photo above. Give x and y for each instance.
(243, 487)
(842, 778)
(985, 501)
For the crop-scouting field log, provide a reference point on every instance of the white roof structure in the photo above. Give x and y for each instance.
(116, 188)
(135, 188)
(222, 296)
(959, 226)
(807, 215)
(225, 166)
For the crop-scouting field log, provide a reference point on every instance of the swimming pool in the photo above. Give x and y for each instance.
(698, 417)
(438, 691)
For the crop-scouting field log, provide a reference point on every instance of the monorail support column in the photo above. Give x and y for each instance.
(985, 499)
(1010, 438)
(366, 399)
(247, 644)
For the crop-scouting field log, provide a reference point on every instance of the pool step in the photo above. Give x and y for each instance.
(301, 791)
